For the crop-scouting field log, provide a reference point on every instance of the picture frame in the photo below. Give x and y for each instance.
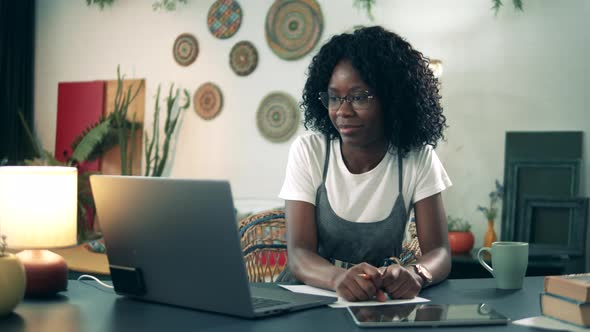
(523, 174)
(567, 239)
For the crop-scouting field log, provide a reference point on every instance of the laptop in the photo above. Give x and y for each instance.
(176, 241)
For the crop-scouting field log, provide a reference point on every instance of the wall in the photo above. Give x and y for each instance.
(514, 71)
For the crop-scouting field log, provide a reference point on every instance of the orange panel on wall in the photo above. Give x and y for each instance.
(79, 104)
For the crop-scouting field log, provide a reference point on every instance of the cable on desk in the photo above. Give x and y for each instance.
(87, 276)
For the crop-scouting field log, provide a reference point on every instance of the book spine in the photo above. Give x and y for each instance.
(566, 299)
(565, 309)
(567, 287)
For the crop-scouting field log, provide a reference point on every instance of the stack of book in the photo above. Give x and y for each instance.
(567, 298)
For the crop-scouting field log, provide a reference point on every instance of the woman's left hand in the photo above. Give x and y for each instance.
(401, 282)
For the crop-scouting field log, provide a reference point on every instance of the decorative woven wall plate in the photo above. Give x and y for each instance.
(224, 18)
(208, 101)
(186, 49)
(277, 117)
(293, 27)
(243, 58)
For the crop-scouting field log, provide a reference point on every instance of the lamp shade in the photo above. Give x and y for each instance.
(437, 67)
(38, 206)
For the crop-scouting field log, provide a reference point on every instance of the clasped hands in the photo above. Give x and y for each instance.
(366, 282)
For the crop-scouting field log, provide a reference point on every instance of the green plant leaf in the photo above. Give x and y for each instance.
(458, 224)
(109, 141)
(496, 4)
(2, 244)
(92, 139)
(154, 161)
(366, 5)
(168, 5)
(100, 3)
(44, 157)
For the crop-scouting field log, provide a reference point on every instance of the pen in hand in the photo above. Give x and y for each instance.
(380, 296)
(367, 277)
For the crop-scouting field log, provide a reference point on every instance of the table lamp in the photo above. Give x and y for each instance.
(38, 211)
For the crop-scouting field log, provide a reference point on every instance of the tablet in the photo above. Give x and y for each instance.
(426, 315)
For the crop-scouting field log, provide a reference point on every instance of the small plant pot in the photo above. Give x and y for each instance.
(12, 283)
(461, 242)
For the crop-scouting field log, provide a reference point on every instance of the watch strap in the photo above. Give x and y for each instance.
(423, 273)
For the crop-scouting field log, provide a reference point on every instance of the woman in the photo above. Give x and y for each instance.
(349, 188)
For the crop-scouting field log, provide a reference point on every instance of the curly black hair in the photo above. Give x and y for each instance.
(395, 72)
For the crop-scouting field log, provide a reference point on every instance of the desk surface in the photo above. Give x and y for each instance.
(87, 306)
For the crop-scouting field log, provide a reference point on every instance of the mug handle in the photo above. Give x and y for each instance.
(482, 262)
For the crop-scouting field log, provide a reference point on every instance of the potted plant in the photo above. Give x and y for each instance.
(12, 280)
(460, 237)
(490, 212)
(107, 132)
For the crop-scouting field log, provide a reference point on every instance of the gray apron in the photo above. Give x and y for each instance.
(346, 242)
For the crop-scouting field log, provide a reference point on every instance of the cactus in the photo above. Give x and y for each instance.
(2, 245)
(154, 164)
(125, 129)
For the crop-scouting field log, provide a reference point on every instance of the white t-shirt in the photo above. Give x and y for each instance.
(366, 197)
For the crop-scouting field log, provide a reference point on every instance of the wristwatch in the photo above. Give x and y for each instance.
(424, 274)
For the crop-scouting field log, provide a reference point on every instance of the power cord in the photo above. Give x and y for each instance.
(87, 276)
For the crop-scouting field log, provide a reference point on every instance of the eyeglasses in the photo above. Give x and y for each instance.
(358, 100)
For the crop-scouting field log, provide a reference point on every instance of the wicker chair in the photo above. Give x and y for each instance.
(264, 245)
(411, 242)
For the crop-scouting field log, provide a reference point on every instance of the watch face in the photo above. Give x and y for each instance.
(424, 273)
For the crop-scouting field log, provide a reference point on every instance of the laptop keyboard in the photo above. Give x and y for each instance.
(260, 302)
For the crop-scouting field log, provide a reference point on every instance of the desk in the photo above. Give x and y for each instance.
(89, 307)
(82, 260)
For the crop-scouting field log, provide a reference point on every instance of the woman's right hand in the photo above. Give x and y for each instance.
(360, 283)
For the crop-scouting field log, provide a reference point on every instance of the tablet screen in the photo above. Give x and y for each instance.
(426, 315)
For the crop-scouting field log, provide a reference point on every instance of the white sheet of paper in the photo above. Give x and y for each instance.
(342, 303)
(549, 324)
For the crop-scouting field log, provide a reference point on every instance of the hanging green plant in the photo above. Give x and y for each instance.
(366, 5)
(498, 3)
(100, 3)
(167, 5)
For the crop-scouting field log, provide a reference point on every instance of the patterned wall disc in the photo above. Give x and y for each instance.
(277, 117)
(186, 49)
(224, 18)
(293, 27)
(208, 101)
(243, 58)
